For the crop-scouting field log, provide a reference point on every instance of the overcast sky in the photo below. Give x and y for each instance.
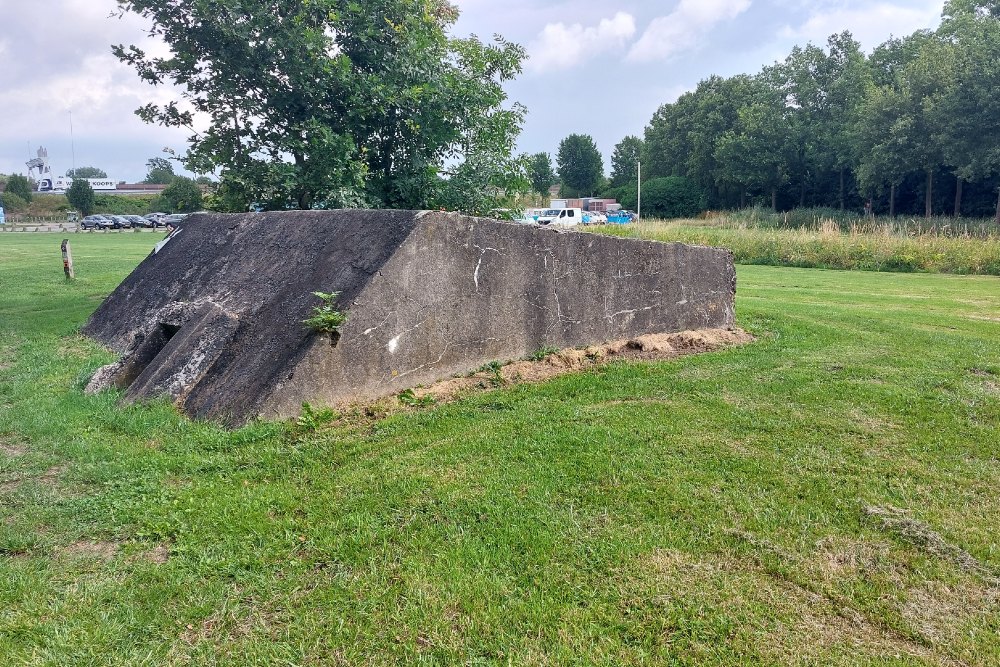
(596, 67)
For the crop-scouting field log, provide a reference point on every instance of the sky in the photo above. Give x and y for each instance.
(597, 67)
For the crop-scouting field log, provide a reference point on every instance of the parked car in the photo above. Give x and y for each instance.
(174, 218)
(155, 218)
(119, 221)
(95, 222)
(137, 221)
(594, 218)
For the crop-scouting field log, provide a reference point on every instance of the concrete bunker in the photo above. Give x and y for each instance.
(214, 318)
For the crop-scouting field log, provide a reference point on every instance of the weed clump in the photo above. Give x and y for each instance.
(326, 318)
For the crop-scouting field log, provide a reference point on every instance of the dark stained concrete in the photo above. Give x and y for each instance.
(214, 319)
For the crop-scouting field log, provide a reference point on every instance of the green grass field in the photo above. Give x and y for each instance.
(713, 510)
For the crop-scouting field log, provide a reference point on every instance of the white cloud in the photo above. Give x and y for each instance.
(684, 27)
(561, 46)
(871, 24)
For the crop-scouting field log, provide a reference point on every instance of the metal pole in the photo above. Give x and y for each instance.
(72, 142)
(638, 210)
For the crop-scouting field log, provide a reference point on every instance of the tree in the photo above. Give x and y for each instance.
(81, 196)
(331, 103)
(19, 185)
(541, 173)
(966, 114)
(581, 167)
(754, 153)
(86, 172)
(182, 195)
(625, 161)
(159, 170)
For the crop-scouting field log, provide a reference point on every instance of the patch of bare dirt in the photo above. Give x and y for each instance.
(158, 555)
(11, 447)
(644, 348)
(104, 551)
(51, 477)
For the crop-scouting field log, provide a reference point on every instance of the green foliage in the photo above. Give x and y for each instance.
(581, 167)
(312, 419)
(541, 173)
(183, 195)
(409, 398)
(81, 196)
(159, 170)
(349, 104)
(625, 161)
(86, 172)
(326, 318)
(832, 127)
(626, 195)
(122, 205)
(542, 353)
(672, 197)
(19, 185)
(12, 203)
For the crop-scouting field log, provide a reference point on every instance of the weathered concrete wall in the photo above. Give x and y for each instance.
(428, 295)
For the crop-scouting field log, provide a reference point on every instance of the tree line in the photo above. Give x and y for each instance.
(912, 128)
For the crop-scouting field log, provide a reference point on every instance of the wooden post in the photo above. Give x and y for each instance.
(67, 254)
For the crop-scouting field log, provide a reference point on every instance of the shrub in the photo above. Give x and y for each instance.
(20, 186)
(13, 203)
(672, 197)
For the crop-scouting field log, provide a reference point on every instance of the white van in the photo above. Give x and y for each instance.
(561, 217)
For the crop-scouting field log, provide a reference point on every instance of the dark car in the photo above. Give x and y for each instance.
(120, 222)
(137, 221)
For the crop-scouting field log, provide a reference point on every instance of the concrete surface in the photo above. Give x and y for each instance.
(214, 319)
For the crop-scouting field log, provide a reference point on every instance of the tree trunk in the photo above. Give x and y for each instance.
(958, 196)
(928, 203)
(774, 199)
(841, 189)
(802, 195)
(892, 201)
(743, 199)
(998, 209)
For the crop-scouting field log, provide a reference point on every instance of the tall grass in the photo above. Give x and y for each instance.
(903, 245)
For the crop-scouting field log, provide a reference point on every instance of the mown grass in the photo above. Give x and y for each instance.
(708, 510)
(897, 246)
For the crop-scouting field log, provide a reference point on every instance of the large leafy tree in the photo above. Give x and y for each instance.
(86, 172)
(965, 115)
(625, 161)
(183, 195)
(334, 102)
(754, 153)
(81, 196)
(541, 173)
(581, 167)
(159, 170)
